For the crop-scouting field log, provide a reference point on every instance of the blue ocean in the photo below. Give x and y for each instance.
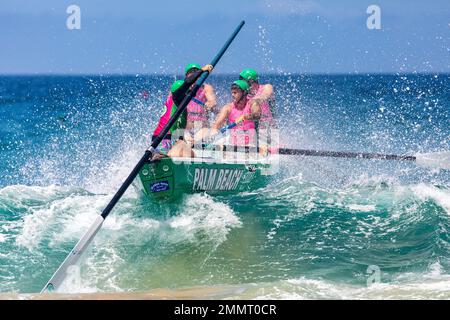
(324, 228)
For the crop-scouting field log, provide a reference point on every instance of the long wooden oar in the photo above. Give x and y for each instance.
(81, 246)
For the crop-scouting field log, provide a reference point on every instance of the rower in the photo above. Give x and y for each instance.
(200, 107)
(171, 146)
(263, 93)
(241, 110)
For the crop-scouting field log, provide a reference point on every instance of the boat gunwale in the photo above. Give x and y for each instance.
(210, 160)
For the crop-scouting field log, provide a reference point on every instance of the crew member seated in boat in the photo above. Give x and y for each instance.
(200, 107)
(264, 94)
(241, 110)
(170, 145)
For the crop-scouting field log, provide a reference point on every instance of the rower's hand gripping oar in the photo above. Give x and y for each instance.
(212, 141)
(232, 125)
(60, 274)
(217, 136)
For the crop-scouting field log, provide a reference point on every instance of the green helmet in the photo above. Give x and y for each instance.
(243, 85)
(190, 66)
(249, 74)
(176, 85)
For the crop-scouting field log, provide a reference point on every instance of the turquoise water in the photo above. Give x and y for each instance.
(67, 143)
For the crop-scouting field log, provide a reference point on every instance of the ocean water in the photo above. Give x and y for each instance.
(323, 228)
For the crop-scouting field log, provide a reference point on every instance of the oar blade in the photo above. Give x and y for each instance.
(438, 160)
(57, 279)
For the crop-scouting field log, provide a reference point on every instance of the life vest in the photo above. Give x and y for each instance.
(170, 109)
(244, 133)
(267, 118)
(165, 116)
(195, 109)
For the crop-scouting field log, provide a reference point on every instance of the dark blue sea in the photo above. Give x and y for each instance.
(323, 228)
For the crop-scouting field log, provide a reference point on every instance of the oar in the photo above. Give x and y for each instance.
(228, 127)
(440, 160)
(340, 154)
(82, 244)
(435, 159)
(223, 130)
(215, 138)
(198, 101)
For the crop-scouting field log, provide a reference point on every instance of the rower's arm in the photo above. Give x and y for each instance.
(221, 118)
(180, 93)
(266, 94)
(210, 97)
(256, 111)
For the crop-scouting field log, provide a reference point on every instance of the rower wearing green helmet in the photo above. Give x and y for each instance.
(190, 67)
(263, 93)
(241, 110)
(177, 93)
(200, 107)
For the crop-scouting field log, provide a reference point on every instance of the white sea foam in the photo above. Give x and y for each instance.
(440, 196)
(435, 270)
(294, 289)
(201, 219)
(61, 219)
(362, 208)
(108, 177)
(64, 215)
(21, 193)
(304, 288)
(202, 214)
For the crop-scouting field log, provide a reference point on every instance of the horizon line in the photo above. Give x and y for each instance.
(136, 75)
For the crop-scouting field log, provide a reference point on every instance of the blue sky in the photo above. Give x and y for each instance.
(280, 36)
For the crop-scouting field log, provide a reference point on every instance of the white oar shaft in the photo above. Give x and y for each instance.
(75, 254)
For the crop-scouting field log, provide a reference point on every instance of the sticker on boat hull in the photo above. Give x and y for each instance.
(159, 186)
(216, 179)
